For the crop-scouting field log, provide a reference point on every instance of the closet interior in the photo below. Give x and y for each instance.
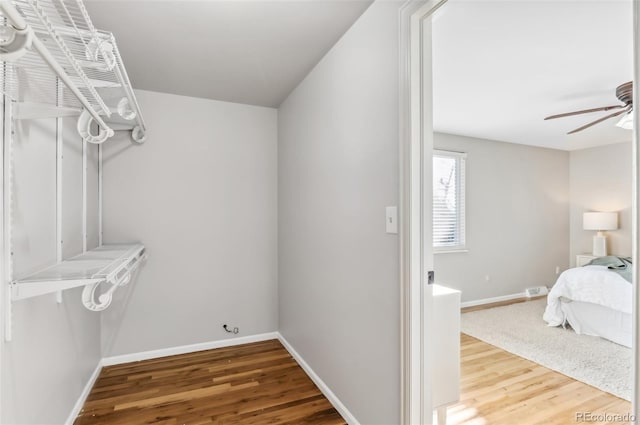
(56, 64)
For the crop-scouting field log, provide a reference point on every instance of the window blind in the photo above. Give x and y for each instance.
(448, 200)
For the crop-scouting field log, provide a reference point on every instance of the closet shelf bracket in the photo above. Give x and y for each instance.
(108, 264)
(44, 43)
(15, 42)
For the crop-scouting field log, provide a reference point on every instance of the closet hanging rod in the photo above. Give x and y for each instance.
(20, 25)
(119, 70)
(128, 90)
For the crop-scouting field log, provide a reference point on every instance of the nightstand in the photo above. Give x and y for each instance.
(446, 353)
(582, 259)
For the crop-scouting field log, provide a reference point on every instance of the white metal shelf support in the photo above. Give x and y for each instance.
(121, 276)
(20, 26)
(85, 59)
(53, 44)
(112, 264)
(59, 153)
(7, 260)
(46, 22)
(84, 196)
(138, 134)
(100, 196)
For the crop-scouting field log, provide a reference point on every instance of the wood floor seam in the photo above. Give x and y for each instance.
(256, 383)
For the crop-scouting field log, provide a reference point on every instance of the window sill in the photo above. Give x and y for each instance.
(450, 251)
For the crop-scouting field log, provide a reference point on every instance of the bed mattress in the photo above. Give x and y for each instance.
(594, 301)
(596, 320)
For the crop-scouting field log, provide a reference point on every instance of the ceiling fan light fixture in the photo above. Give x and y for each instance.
(626, 122)
(624, 93)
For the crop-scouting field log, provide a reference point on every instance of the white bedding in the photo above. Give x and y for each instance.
(590, 284)
(596, 320)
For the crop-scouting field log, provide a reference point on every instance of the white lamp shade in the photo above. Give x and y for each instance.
(626, 122)
(600, 221)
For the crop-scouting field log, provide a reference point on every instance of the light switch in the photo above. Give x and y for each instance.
(392, 219)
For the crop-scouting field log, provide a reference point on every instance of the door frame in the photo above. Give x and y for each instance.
(416, 252)
(416, 256)
(4, 290)
(635, 399)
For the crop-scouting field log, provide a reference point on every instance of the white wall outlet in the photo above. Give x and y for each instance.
(392, 220)
(487, 278)
(557, 270)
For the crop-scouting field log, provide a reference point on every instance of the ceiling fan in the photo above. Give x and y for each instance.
(624, 93)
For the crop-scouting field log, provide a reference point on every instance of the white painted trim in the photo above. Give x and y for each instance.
(77, 407)
(409, 247)
(4, 284)
(416, 252)
(184, 349)
(635, 400)
(450, 251)
(493, 300)
(324, 388)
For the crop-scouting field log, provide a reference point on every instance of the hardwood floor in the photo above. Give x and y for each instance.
(500, 388)
(499, 304)
(257, 383)
(261, 383)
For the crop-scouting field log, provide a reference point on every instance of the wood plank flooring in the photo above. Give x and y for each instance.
(500, 304)
(261, 383)
(500, 388)
(257, 383)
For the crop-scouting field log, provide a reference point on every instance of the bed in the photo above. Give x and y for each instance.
(594, 300)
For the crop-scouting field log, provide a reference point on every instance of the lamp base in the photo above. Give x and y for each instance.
(599, 245)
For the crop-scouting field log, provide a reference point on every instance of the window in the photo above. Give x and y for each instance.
(448, 201)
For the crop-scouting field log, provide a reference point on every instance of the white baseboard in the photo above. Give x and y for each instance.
(333, 399)
(183, 349)
(77, 407)
(492, 300)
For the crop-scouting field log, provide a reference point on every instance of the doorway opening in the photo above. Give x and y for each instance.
(417, 296)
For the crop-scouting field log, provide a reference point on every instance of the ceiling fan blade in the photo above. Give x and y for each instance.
(585, 111)
(615, 114)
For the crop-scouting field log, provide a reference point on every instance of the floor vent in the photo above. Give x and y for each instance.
(536, 291)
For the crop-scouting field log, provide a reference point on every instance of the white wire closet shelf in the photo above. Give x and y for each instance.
(112, 264)
(56, 63)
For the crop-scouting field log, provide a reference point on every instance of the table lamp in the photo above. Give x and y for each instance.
(600, 221)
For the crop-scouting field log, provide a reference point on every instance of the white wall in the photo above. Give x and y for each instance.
(601, 180)
(517, 218)
(55, 347)
(338, 169)
(201, 195)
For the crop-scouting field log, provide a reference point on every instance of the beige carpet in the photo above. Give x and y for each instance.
(519, 329)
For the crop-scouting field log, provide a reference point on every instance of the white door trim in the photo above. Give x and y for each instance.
(5, 284)
(415, 245)
(416, 403)
(635, 401)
